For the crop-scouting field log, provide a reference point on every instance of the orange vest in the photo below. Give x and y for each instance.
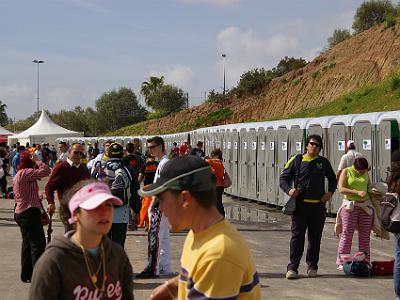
(217, 167)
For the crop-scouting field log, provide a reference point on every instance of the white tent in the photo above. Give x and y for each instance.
(43, 131)
(4, 134)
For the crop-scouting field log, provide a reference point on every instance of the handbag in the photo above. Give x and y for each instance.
(382, 268)
(390, 212)
(290, 205)
(227, 182)
(44, 218)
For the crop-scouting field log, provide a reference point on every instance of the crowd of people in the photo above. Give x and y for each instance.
(103, 192)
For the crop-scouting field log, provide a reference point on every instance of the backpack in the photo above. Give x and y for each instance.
(390, 212)
(127, 178)
(357, 268)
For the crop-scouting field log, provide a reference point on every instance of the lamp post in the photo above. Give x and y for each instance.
(223, 67)
(38, 62)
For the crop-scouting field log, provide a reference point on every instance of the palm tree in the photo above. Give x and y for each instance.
(3, 114)
(150, 87)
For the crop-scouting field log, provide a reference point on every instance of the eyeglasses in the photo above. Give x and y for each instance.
(315, 144)
(77, 152)
(153, 146)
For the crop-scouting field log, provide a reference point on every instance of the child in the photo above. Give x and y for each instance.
(84, 264)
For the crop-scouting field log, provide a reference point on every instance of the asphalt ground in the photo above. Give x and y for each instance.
(267, 232)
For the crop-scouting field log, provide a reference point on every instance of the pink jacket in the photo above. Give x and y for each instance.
(26, 189)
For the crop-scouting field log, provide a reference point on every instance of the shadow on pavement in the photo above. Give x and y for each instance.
(146, 285)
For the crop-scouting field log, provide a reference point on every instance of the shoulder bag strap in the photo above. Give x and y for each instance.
(299, 158)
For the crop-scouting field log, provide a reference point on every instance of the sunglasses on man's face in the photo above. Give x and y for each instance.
(77, 152)
(153, 146)
(314, 144)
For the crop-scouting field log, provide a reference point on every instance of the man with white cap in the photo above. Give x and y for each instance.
(348, 159)
(216, 262)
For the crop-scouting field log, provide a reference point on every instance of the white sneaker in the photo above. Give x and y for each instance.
(340, 267)
(291, 274)
(312, 273)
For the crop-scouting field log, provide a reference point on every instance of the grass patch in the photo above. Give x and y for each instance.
(327, 67)
(296, 81)
(213, 118)
(394, 83)
(383, 96)
(315, 74)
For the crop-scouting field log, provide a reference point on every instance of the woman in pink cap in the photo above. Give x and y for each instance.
(84, 263)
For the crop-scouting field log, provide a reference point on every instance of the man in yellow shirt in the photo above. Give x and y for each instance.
(216, 261)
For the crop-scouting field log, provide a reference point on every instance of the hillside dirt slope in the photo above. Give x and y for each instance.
(366, 58)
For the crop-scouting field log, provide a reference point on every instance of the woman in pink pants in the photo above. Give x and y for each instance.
(356, 211)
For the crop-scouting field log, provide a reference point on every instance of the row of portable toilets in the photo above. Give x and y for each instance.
(254, 154)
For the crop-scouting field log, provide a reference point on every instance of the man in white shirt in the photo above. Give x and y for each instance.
(62, 146)
(348, 159)
(158, 237)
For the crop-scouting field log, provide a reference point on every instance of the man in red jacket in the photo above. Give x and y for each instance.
(67, 173)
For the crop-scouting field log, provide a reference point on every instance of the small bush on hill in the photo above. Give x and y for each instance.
(288, 64)
(394, 83)
(390, 21)
(253, 82)
(315, 74)
(338, 36)
(215, 97)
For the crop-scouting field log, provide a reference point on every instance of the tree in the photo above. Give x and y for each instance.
(338, 36)
(3, 114)
(253, 81)
(72, 119)
(150, 87)
(371, 13)
(288, 64)
(117, 109)
(168, 99)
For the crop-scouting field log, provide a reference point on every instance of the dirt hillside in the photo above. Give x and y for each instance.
(366, 58)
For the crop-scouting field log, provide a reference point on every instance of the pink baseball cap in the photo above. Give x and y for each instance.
(91, 196)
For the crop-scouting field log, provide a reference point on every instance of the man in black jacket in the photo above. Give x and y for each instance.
(311, 170)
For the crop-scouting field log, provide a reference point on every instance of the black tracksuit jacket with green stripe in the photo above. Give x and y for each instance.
(311, 176)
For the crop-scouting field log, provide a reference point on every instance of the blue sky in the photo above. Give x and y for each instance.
(93, 46)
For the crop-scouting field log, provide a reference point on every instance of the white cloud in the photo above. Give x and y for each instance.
(223, 3)
(17, 97)
(245, 50)
(14, 91)
(65, 98)
(180, 76)
(89, 5)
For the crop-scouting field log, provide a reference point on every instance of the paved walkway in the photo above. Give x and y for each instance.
(267, 234)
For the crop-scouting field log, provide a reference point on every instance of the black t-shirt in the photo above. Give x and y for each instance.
(197, 152)
(133, 160)
(149, 171)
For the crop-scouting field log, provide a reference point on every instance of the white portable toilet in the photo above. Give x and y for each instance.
(338, 131)
(387, 141)
(282, 158)
(271, 142)
(261, 165)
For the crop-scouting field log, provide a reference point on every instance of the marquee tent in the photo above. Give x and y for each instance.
(44, 131)
(4, 134)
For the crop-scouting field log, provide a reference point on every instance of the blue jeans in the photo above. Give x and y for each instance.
(396, 270)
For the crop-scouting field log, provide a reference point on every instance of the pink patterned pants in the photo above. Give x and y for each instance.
(352, 220)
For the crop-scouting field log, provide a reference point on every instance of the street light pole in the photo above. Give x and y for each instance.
(223, 67)
(36, 61)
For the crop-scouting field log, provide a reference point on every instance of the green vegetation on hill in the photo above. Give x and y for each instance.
(383, 96)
